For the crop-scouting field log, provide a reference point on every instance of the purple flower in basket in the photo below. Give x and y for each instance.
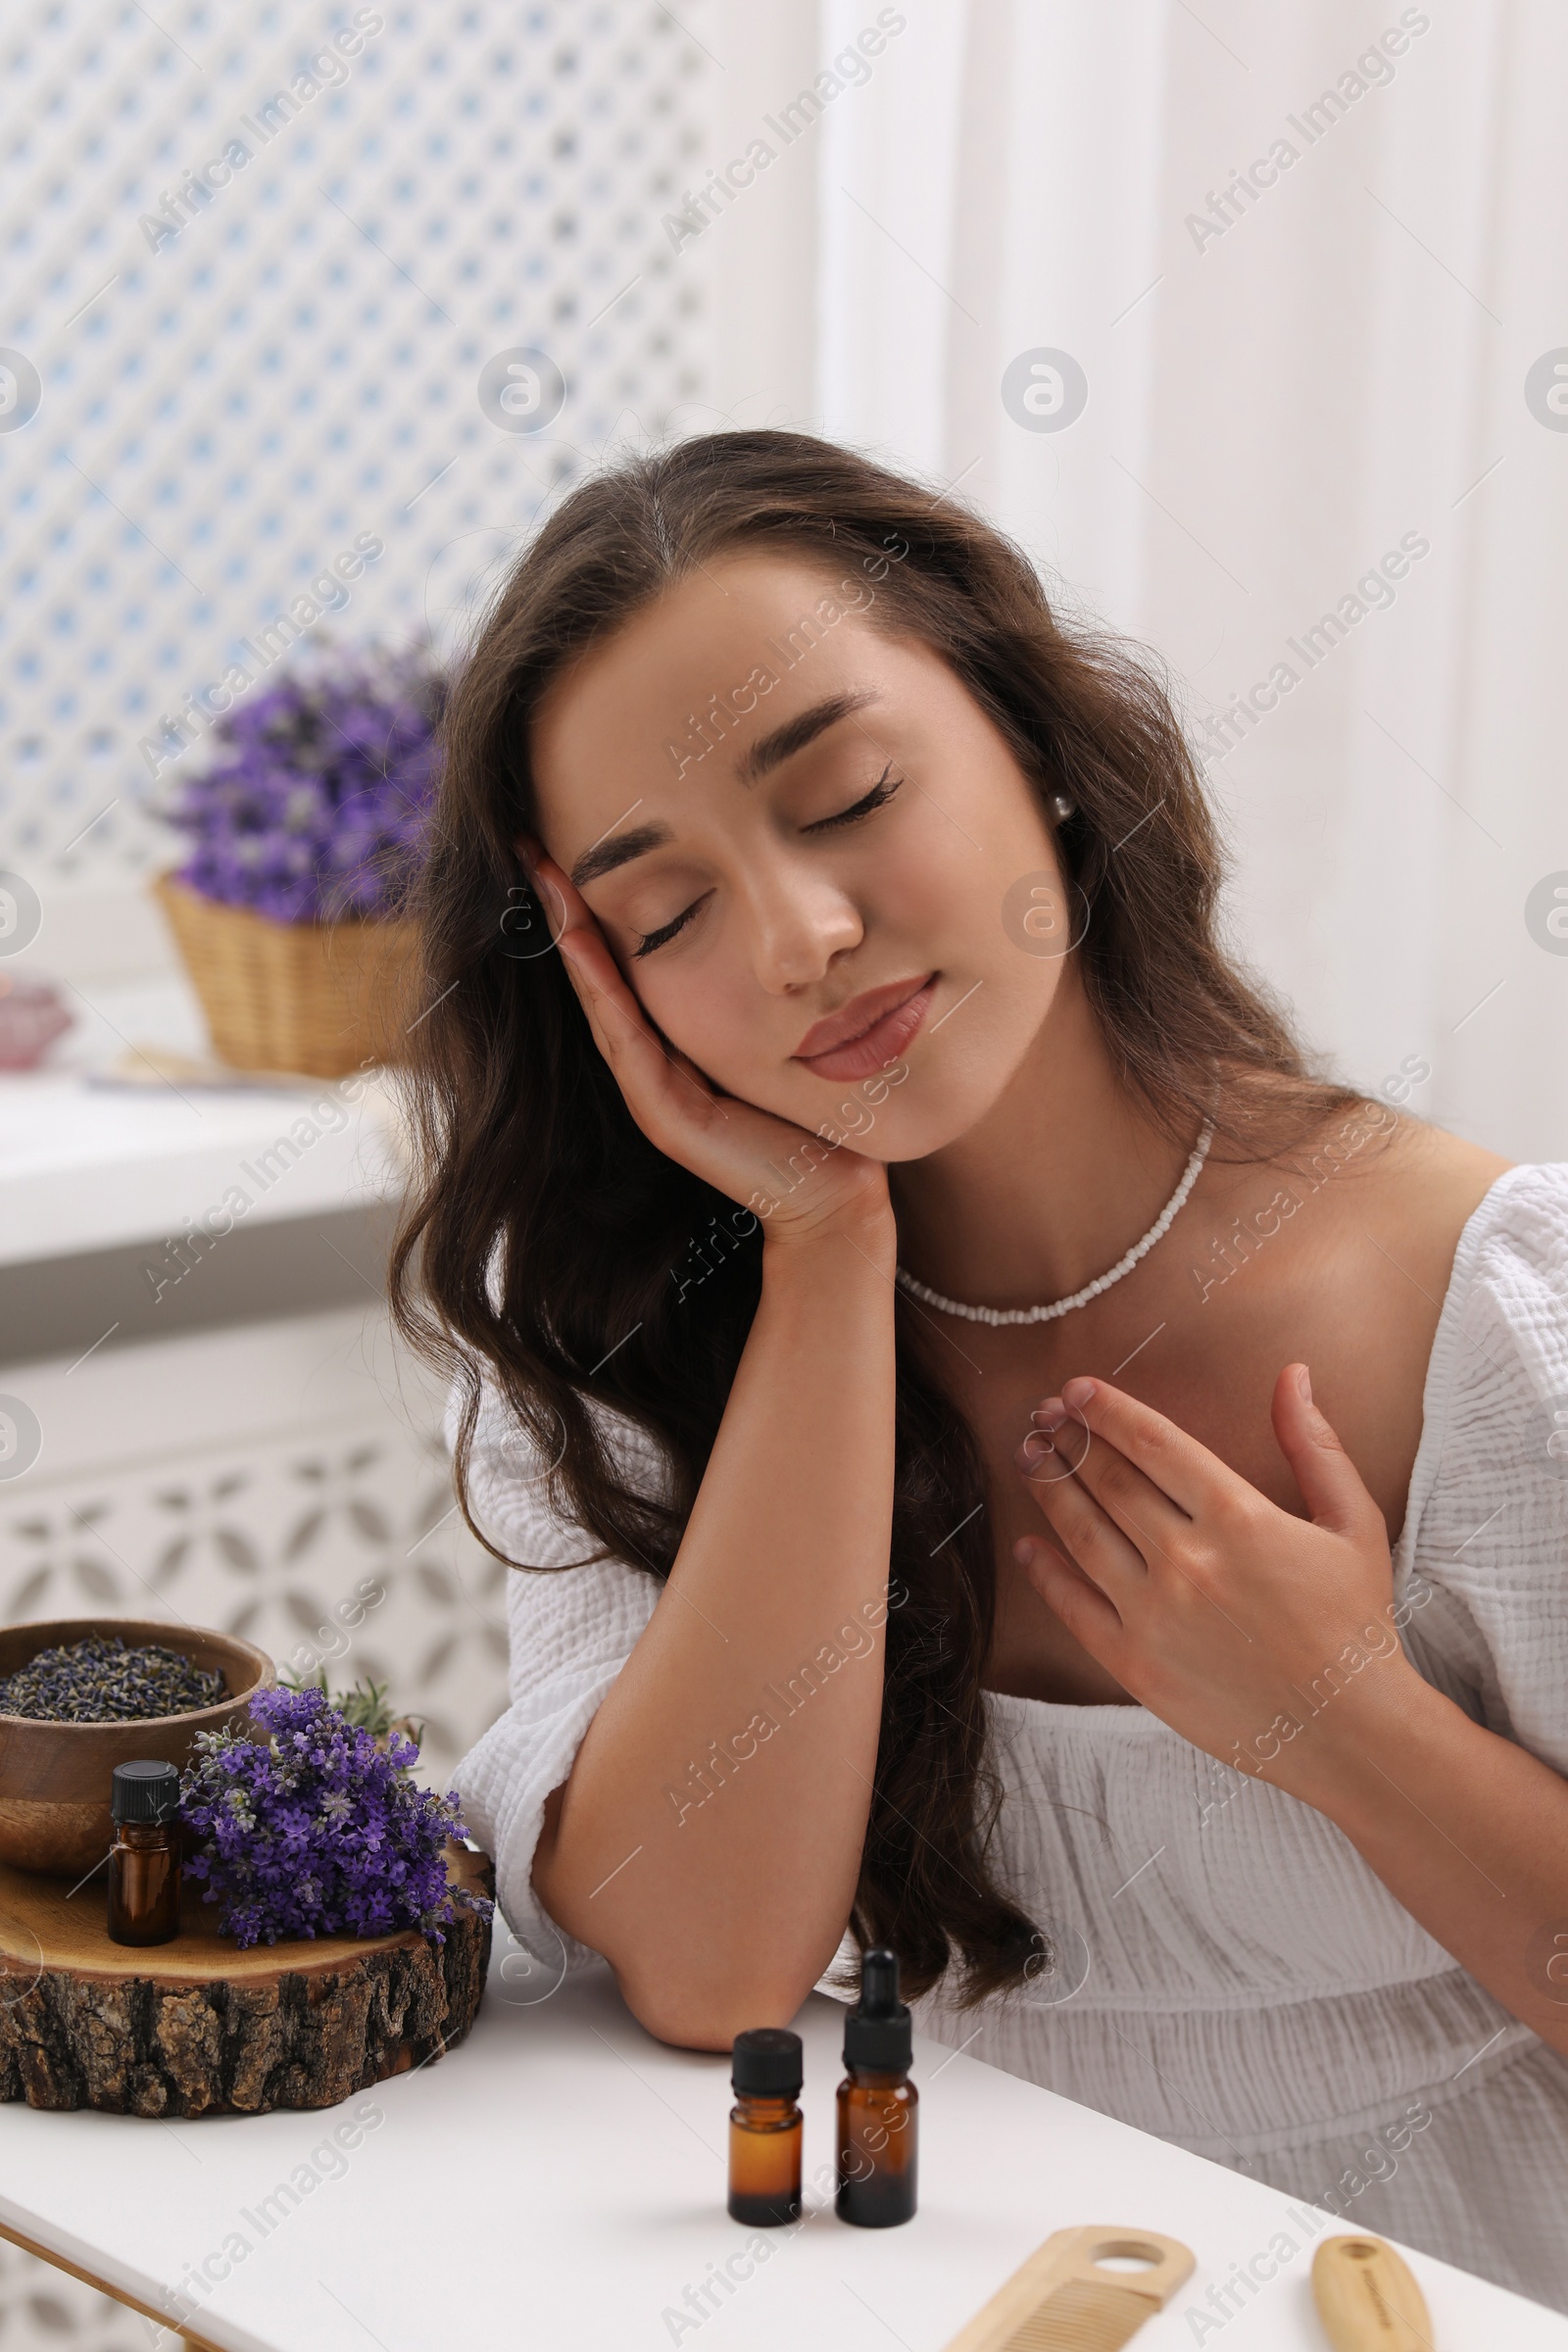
(320, 1831)
(315, 794)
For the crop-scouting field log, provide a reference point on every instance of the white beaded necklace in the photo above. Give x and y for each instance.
(1091, 1290)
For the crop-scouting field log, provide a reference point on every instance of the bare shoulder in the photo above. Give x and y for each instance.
(1417, 1189)
(1370, 1180)
(1363, 1294)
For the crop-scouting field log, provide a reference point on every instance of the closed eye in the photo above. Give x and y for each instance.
(668, 931)
(881, 792)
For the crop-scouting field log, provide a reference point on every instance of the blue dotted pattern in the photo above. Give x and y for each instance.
(236, 386)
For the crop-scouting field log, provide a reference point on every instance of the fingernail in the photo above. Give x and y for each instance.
(1023, 1551)
(1049, 1415)
(1079, 1391)
(1033, 1451)
(1303, 1383)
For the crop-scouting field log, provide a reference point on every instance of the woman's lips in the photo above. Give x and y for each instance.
(885, 1020)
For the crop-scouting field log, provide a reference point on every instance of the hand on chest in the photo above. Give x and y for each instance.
(1208, 1364)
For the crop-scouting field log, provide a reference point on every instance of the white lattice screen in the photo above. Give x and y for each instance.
(204, 398)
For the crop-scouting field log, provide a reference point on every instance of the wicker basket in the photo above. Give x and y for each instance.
(322, 999)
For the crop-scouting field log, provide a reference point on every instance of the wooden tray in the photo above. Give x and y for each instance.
(196, 2027)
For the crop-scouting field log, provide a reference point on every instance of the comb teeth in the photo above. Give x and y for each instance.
(1080, 2318)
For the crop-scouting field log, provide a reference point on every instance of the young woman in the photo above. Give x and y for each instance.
(998, 1457)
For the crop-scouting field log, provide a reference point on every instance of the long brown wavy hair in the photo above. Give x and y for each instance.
(543, 1226)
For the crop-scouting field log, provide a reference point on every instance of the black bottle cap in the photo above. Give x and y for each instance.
(877, 2032)
(145, 1790)
(766, 2063)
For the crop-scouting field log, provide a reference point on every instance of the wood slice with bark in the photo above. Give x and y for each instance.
(196, 2027)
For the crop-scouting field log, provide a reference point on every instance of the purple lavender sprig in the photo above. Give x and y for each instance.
(315, 794)
(320, 1831)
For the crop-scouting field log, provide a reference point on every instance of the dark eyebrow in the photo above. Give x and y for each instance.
(766, 753)
(771, 751)
(616, 850)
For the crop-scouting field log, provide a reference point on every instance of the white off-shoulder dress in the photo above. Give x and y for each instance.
(1230, 1974)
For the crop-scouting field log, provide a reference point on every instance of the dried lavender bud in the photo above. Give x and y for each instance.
(98, 1680)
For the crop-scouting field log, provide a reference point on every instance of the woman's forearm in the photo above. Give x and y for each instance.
(709, 1839)
(1469, 1832)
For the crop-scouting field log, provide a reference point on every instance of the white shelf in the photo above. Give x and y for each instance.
(85, 1166)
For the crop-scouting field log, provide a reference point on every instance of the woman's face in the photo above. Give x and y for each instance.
(813, 857)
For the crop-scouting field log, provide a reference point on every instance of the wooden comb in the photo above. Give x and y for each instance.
(1061, 2300)
(1368, 2299)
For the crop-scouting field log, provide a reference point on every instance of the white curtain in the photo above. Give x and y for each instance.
(1299, 381)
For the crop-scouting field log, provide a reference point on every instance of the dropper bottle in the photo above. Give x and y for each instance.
(764, 2127)
(878, 2102)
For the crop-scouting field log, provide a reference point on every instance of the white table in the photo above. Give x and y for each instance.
(558, 2184)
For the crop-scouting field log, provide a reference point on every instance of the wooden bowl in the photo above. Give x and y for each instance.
(55, 1777)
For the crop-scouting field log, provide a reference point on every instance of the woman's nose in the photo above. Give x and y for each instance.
(799, 922)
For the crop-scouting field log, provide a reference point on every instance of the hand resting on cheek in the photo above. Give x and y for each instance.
(729, 1143)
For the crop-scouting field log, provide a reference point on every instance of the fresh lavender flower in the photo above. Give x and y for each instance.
(320, 1831)
(316, 795)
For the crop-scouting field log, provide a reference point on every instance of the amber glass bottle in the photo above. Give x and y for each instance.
(144, 1859)
(878, 2103)
(764, 2127)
